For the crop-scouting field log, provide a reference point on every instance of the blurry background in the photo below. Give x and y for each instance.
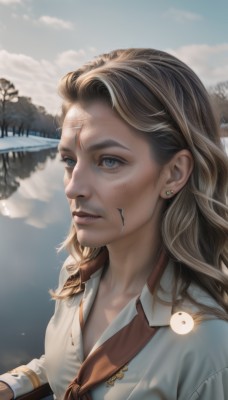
(40, 40)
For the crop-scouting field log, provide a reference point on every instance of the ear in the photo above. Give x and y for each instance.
(176, 173)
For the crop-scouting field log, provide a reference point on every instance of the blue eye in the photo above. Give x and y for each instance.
(69, 162)
(110, 162)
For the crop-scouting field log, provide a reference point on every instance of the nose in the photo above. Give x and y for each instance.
(77, 184)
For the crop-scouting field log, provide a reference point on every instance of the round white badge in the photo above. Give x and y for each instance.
(181, 323)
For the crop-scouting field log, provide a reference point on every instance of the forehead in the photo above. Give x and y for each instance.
(95, 121)
(73, 121)
(89, 114)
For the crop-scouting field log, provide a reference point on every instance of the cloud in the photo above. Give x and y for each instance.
(51, 22)
(209, 62)
(33, 78)
(9, 2)
(56, 23)
(38, 79)
(182, 15)
(70, 57)
(26, 17)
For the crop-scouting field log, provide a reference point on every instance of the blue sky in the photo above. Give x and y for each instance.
(40, 40)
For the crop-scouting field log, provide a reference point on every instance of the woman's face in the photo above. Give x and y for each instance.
(112, 182)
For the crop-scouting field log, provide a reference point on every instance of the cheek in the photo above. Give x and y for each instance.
(138, 192)
(145, 185)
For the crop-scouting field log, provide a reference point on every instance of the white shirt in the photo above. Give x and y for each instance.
(170, 367)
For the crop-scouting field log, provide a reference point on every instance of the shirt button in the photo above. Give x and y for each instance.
(181, 323)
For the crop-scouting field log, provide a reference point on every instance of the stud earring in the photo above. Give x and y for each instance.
(169, 192)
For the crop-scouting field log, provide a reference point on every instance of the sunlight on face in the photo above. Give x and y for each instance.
(111, 181)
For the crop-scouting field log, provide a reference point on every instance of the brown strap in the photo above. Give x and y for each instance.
(113, 354)
(118, 350)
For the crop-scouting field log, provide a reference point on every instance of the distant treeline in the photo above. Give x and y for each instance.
(19, 115)
(219, 95)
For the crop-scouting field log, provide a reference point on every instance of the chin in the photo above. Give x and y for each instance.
(96, 238)
(90, 242)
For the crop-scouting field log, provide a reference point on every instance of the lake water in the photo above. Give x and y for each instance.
(34, 219)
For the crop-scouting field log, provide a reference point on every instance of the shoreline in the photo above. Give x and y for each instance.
(36, 143)
(24, 143)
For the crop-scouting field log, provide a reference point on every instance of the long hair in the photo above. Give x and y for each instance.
(163, 99)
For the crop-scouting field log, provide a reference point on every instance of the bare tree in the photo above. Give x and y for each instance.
(8, 94)
(219, 95)
(44, 123)
(22, 115)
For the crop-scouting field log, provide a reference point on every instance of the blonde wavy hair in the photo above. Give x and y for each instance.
(163, 98)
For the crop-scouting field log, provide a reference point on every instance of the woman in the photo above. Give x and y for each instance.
(141, 308)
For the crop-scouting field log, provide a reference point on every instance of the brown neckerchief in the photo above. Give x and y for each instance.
(120, 348)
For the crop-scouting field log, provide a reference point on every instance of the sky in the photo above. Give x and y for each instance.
(41, 40)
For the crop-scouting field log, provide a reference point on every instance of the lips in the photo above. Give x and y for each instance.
(84, 214)
(83, 218)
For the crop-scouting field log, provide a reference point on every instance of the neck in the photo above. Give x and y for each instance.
(131, 262)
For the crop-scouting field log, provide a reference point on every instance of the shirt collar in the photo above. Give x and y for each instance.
(158, 307)
(158, 304)
(157, 313)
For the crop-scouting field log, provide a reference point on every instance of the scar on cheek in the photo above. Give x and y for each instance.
(121, 211)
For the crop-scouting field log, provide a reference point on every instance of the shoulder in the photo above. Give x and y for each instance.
(214, 387)
(205, 343)
(211, 339)
(202, 354)
(203, 359)
(196, 362)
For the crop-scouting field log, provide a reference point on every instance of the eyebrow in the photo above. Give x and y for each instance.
(104, 144)
(99, 146)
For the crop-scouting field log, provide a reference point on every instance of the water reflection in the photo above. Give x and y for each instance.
(22, 197)
(34, 220)
(14, 165)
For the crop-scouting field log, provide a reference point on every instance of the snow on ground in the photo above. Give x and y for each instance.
(30, 143)
(33, 143)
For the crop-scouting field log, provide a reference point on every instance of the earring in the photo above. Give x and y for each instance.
(169, 192)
